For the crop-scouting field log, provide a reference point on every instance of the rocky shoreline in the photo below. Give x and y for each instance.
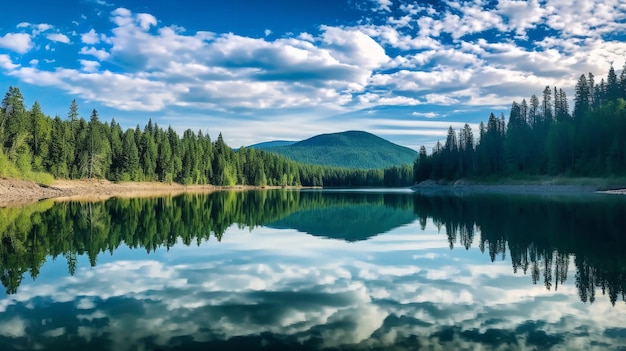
(15, 192)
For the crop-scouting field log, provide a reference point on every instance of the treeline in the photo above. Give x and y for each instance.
(541, 137)
(73, 148)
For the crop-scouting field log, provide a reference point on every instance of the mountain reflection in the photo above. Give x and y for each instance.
(540, 235)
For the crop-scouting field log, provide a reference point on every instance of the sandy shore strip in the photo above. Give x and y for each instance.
(14, 192)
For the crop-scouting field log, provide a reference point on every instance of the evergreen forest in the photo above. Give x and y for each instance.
(541, 137)
(35, 145)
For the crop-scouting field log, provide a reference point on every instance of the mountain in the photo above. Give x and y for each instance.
(352, 149)
(270, 144)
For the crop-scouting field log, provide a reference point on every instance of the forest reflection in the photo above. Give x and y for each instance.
(540, 235)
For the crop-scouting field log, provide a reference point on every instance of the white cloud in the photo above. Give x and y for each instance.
(100, 54)
(306, 37)
(14, 328)
(58, 37)
(103, 3)
(18, 42)
(146, 20)
(7, 63)
(426, 114)
(36, 28)
(521, 15)
(454, 53)
(89, 66)
(41, 27)
(353, 47)
(384, 5)
(90, 38)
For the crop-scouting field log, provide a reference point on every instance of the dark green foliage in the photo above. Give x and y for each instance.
(14, 117)
(594, 236)
(352, 149)
(542, 138)
(36, 233)
(76, 148)
(531, 230)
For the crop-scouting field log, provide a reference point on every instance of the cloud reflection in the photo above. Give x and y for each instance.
(375, 295)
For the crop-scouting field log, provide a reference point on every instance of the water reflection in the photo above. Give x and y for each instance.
(539, 234)
(250, 285)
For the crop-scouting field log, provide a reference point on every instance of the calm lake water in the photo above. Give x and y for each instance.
(315, 270)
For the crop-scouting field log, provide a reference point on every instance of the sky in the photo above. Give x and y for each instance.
(288, 70)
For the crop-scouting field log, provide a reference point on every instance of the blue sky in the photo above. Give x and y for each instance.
(266, 70)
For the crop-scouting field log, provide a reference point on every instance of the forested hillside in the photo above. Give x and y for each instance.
(541, 137)
(34, 145)
(354, 149)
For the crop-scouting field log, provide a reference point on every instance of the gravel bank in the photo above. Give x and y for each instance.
(15, 192)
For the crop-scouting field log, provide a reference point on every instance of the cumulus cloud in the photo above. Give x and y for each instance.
(7, 63)
(18, 42)
(354, 47)
(58, 37)
(384, 5)
(89, 66)
(92, 51)
(90, 37)
(146, 20)
(399, 54)
(36, 28)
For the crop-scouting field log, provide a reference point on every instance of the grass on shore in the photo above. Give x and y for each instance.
(10, 170)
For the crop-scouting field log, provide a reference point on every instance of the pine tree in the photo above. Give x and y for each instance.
(450, 155)
(40, 129)
(533, 112)
(582, 98)
(57, 160)
(96, 148)
(14, 120)
(131, 169)
(612, 86)
(116, 136)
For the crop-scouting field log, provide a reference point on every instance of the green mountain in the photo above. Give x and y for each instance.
(351, 149)
(271, 144)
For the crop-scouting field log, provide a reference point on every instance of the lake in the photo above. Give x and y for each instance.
(315, 270)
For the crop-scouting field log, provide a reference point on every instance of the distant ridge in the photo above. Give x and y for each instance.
(351, 149)
(270, 144)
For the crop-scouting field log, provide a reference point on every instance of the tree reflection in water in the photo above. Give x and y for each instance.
(539, 234)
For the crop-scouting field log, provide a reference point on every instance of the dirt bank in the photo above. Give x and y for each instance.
(15, 192)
